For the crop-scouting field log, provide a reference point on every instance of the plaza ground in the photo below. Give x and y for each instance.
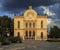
(33, 45)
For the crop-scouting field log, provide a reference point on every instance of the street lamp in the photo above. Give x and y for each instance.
(7, 31)
(8, 34)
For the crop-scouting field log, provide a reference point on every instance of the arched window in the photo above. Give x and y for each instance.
(26, 24)
(18, 24)
(33, 33)
(42, 35)
(18, 34)
(26, 33)
(33, 24)
(30, 24)
(30, 33)
(41, 24)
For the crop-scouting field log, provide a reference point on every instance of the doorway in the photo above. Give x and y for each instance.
(29, 35)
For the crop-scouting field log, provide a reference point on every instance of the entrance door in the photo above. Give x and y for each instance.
(29, 35)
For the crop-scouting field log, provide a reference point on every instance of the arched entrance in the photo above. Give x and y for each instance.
(18, 34)
(30, 35)
(41, 35)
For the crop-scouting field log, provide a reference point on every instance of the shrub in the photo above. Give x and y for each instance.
(15, 39)
(5, 41)
(53, 40)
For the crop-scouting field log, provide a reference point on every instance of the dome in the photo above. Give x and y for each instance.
(30, 11)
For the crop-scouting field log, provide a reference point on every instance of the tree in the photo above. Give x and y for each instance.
(54, 32)
(6, 25)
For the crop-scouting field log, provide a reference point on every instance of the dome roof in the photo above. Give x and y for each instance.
(30, 10)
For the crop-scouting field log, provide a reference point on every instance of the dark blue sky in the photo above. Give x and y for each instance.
(49, 7)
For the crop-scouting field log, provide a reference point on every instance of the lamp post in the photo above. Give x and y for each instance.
(8, 34)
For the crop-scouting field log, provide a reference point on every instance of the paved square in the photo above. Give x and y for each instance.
(33, 45)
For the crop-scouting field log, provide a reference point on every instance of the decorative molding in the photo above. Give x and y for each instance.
(32, 29)
(18, 16)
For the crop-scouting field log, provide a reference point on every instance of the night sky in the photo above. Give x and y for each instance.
(49, 7)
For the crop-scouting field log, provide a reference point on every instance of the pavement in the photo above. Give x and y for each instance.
(32, 45)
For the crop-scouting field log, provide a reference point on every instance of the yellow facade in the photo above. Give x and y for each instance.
(30, 26)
